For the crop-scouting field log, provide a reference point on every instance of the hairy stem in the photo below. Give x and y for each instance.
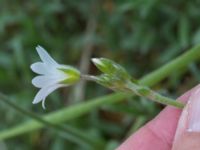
(148, 93)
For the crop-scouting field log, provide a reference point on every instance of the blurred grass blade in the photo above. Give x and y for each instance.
(68, 132)
(180, 62)
(75, 111)
(61, 115)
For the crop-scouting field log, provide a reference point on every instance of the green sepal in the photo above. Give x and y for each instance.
(112, 82)
(110, 67)
(72, 75)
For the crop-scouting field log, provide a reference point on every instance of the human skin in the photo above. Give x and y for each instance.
(159, 134)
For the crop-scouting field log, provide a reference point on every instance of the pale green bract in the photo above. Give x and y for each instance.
(114, 75)
(51, 76)
(110, 67)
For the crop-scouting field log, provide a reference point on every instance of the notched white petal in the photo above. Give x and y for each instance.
(44, 92)
(39, 97)
(43, 104)
(39, 68)
(44, 81)
(45, 57)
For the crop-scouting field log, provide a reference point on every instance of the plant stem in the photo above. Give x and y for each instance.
(146, 92)
(139, 90)
(88, 77)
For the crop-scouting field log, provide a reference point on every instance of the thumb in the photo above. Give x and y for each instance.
(188, 131)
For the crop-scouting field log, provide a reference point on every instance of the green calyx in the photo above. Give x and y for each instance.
(114, 75)
(72, 75)
(110, 67)
(112, 82)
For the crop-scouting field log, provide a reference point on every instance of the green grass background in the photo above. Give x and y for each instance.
(141, 35)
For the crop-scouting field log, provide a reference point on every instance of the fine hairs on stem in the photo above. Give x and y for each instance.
(88, 77)
(154, 96)
(119, 80)
(130, 87)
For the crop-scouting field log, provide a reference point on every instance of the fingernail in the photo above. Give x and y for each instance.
(194, 112)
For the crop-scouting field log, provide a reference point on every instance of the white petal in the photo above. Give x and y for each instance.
(43, 103)
(43, 81)
(45, 57)
(44, 92)
(39, 68)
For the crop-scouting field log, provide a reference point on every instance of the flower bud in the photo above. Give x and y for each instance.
(111, 68)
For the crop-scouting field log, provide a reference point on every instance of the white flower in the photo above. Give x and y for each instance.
(51, 76)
